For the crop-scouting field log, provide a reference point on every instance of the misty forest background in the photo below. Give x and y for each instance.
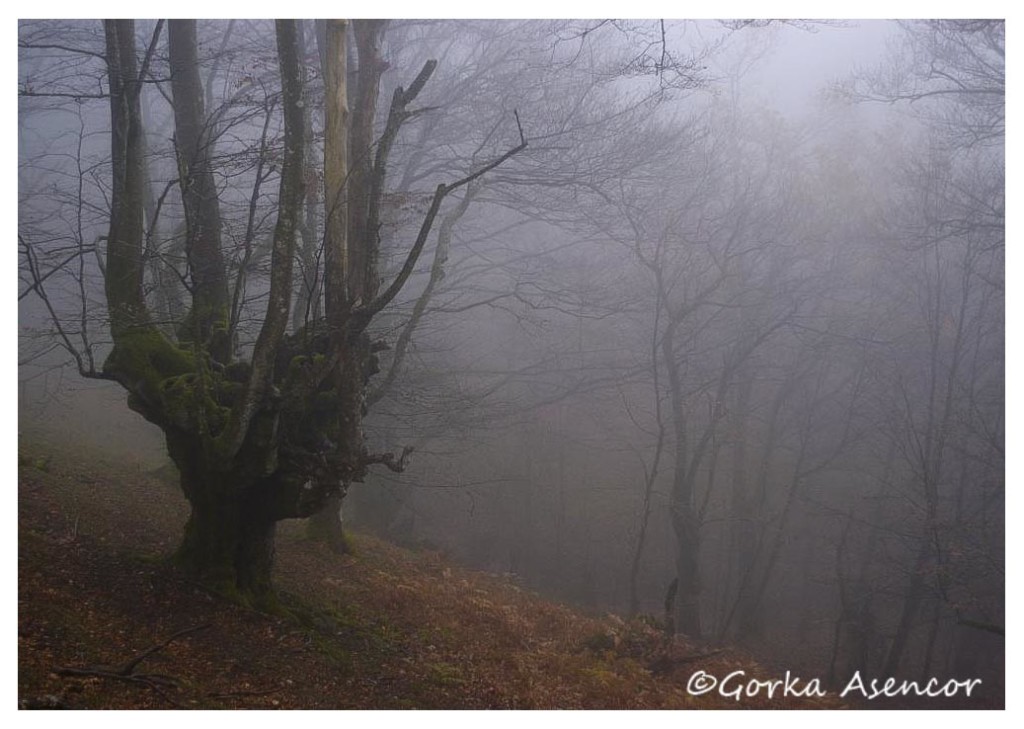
(735, 316)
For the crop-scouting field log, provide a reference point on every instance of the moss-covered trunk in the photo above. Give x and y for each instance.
(228, 543)
(354, 369)
(226, 549)
(278, 436)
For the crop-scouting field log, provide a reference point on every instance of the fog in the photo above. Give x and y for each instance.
(723, 344)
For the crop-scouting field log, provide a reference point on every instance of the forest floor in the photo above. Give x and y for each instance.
(382, 628)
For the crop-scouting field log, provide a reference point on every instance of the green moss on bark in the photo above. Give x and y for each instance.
(188, 402)
(141, 360)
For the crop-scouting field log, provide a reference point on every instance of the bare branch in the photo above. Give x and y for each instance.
(364, 314)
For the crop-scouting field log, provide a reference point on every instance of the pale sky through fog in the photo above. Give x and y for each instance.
(801, 62)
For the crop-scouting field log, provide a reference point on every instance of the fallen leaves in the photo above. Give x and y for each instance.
(387, 628)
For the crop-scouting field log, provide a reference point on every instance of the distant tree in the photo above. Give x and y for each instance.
(943, 271)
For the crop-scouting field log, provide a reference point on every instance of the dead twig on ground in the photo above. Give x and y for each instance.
(126, 672)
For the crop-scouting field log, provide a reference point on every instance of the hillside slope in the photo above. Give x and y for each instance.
(386, 628)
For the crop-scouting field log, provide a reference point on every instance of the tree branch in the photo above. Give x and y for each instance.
(363, 315)
(290, 200)
(150, 51)
(388, 459)
(58, 47)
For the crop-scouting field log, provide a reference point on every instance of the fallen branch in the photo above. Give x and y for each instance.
(155, 681)
(130, 666)
(127, 673)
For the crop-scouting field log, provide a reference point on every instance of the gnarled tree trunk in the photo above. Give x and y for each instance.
(221, 424)
(280, 435)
